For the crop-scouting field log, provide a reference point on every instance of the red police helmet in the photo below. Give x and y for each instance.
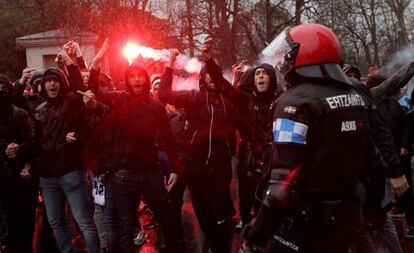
(317, 44)
(307, 51)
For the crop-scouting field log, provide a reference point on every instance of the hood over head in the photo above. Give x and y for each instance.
(246, 81)
(269, 95)
(4, 79)
(6, 97)
(60, 76)
(128, 72)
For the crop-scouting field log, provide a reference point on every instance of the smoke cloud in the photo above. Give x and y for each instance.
(183, 62)
(399, 59)
(190, 65)
(182, 83)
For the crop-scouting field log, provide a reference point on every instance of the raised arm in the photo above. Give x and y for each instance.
(74, 75)
(183, 99)
(20, 84)
(80, 61)
(96, 67)
(384, 141)
(233, 94)
(394, 83)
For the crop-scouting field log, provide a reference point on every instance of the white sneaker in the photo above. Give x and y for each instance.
(140, 237)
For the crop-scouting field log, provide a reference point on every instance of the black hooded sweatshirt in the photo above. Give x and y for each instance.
(130, 131)
(54, 119)
(14, 128)
(258, 107)
(212, 120)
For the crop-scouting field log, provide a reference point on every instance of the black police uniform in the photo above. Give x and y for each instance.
(321, 148)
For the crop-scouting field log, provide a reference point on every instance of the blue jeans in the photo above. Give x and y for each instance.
(73, 186)
(388, 237)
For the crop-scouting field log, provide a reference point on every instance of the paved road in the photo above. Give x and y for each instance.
(193, 235)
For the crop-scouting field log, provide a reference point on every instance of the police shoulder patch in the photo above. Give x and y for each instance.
(289, 131)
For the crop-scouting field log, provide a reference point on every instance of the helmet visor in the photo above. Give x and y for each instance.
(281, 53)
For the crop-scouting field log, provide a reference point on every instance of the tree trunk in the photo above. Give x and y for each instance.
(298, 11)
(190, 28)
(399, 7)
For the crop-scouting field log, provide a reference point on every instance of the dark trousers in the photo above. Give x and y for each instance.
(247, 182)
(110, 216)
(45, 241)
(249, 176)
(210, 194)
(176, 195)
(407, 200)
(19, 201)
(128, 189)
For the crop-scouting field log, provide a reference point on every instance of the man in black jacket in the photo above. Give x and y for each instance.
(256, 97)
(402, 129)
(60, 136)
(17, 194)
(212, 120)
(129, 135)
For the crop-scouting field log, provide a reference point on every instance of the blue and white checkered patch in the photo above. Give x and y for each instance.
(289, 131)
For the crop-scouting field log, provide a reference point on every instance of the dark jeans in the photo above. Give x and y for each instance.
(210, 194)
(74, 187)
(129, 187)
(110, 216)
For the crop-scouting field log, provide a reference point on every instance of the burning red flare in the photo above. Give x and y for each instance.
(131, 51)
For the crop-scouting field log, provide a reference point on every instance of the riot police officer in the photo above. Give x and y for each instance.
(321, 150)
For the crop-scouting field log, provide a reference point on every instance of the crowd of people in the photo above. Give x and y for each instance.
(322, 157)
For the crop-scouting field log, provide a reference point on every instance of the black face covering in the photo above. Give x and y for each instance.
(5, 103)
